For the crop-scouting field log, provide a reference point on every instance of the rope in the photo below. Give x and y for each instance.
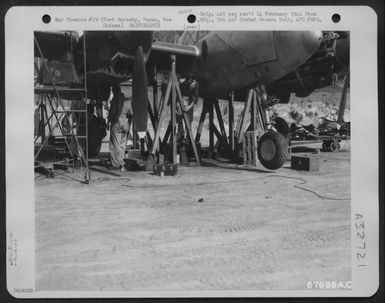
(303, 181)
(309, 190)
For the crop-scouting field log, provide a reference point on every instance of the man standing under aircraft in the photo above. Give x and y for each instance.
(190, 93)
(119, 117)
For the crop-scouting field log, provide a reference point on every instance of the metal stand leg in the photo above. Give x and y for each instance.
(211, 128)
(231, 121)
(176, 97)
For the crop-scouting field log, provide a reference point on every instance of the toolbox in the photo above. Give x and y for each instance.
(132, 153)
(307, 162)
(167, 169)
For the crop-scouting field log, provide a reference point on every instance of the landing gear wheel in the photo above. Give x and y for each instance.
(272, 150)
(282, 127)
(326, 146)
(335, 147)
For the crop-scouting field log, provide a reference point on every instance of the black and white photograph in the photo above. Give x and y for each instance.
(192, 160)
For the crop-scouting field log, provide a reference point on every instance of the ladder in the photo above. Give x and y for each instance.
(67, 110)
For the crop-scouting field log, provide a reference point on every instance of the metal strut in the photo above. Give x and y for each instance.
(173, 92)
(258, 120)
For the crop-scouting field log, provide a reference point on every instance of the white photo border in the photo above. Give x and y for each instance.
(21, 22)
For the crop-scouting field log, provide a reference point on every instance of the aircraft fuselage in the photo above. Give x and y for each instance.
(232, 60)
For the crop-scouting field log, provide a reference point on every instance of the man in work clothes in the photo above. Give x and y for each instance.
(119, 117)
(190, 93)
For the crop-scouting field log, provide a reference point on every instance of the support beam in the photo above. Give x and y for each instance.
(134, 135)
(166, 136)
(186, 121)
(341, 109)
(220, 121)
(152, 115)
(246, 110)
(42, 123)
(201, 121)
(162, 111)
(231, 121)
(173, 111)
(261, 95)
(148, 140)
(164, 100)
(155, 98)
(211, 127)
(254, 111)
(221, 139)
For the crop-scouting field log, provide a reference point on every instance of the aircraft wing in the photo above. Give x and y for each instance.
(54, 45)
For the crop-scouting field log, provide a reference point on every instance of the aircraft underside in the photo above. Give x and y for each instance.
(266, 65)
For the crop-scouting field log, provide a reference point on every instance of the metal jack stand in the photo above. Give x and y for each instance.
(211, 105)
(172, 92)
(258, 116)
(262, 138)
(230, 144)
(259, 123)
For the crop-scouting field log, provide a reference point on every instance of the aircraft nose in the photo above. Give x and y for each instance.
(295, 47)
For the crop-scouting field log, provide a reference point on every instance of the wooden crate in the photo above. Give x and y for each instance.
(307, 162)
(132, 153)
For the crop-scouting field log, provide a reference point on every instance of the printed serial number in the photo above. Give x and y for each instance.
(329, 285)
(22, 290)
(361, 249)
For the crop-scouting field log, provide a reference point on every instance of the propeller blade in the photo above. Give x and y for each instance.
(342, 51)
(140, 92)
(341, 109)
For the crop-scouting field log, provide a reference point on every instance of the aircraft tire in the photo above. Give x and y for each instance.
(272, 150)
(335, 147)
(282, 127)
(324, 146)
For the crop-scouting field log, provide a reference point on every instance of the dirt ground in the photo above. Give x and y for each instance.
(212, 227)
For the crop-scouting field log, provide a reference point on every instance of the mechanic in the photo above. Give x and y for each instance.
(190, 93)
(119, 117)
